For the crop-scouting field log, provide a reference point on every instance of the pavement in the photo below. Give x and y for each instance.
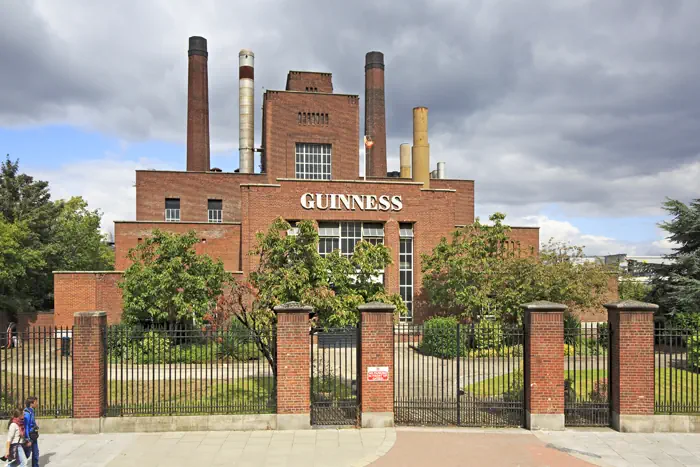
(403, 446)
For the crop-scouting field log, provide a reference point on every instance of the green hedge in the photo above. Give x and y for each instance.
(440, 338)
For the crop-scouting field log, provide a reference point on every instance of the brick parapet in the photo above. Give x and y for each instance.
(293, 359)
(89, 390)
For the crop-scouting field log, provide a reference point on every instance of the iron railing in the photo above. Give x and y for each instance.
(676, 371)
(464, 375)
(334, 376)
(183, 371)
(37, 362)
(587, 375)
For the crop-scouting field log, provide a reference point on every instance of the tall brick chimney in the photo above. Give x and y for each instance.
(375, 114)
(197, 106)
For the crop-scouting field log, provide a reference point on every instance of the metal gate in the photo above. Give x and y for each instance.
(334, 376)
(464, 375)
(587, 375)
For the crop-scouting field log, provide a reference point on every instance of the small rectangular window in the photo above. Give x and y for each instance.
(313, 161)
(172, 209)
(215, 211)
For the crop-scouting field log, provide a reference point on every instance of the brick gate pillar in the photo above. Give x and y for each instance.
(631, 379)
(544, 365)
(376, 364)
(293, 366)
(89, 379)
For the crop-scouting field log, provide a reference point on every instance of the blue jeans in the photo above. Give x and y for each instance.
(35, 453)
(21, 460)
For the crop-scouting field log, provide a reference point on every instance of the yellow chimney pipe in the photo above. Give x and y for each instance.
(421, 148)
(405, 160)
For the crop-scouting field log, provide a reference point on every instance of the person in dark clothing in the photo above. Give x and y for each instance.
(31, 428)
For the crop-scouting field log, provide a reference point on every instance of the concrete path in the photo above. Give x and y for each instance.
(376, 447)
(255, 449)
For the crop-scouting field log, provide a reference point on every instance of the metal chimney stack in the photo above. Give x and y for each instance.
(441, 170)
(246, 112)
(405, 160)
(421, 149)
(197, 106)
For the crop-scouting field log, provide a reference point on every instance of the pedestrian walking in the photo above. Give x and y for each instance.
(12, 335)
(31, 428)
(14, 450)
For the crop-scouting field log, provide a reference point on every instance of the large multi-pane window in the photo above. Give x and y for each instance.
(406, 267)
(172, 209)
(345, 235)
(215, 210)
(313, 161)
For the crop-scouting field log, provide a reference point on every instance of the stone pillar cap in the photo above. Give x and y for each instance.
(631, 305)
(293, 307)
(543, 305)
(377, 306)
(90, 314)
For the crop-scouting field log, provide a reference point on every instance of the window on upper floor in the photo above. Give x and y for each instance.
(172, 209)
(313, 161)
(216, 210)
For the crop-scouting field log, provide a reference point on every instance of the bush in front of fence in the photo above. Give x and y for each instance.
(693, 346)
(440, 338)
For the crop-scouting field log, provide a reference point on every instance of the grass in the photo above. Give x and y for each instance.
(246, 395)
(673, 388)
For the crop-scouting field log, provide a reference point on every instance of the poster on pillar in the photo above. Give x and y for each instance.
(378, 373)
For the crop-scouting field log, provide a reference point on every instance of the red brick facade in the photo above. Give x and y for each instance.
(544, 359)
(632, 352)
(309, 81)
(88, 364)
(293, 361)
(86, 291)
(220, 241)
(34, 320)
(377, 350)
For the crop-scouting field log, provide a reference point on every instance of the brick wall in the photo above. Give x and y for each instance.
(544, 362)
(309, 81)
(431, 211)
(88, 364)
(293, 361)
(194, 190)
(377, 350)
(34, 319)
(632, 357)
(464, 207)
(223, 241)
(86, 291)
(282, 130)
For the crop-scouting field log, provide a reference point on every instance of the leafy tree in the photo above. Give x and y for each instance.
(17, 259)
(168, 282)
(480, 271)
(631, 289)
(64, 234)
(676, 286)
(290, 269)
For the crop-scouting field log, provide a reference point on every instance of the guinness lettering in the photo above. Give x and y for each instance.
(335, 202)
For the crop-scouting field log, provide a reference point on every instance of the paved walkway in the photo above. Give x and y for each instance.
(376, 447)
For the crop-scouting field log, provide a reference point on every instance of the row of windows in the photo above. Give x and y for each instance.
(312, 118)
(344, 236)
(215, 210)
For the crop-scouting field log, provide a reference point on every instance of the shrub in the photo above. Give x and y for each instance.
(118, 339)
(488, 335)
(440, 338)
(238, 343)
(516, 388)
(603, 335)
(155, 344)
(694, 352)
(572, 327)
(569, 350)
(600, 391)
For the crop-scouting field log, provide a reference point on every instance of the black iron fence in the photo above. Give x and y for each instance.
(676, 371)
(182, 371)
(454, 374)
(37, 362)
(334, 376)
(587, 375)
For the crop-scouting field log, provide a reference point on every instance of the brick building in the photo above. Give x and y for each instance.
(309, 169)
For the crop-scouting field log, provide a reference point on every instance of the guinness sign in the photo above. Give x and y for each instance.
(337, 202)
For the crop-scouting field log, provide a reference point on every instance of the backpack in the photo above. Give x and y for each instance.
(33, 435)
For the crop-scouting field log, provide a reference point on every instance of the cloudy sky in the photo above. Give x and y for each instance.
(579, 116)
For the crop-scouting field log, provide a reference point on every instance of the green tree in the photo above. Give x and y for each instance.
(168, 282)
(17, 259)
(290, 269)
(480, 271)
(676, 286)
(631, 289)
